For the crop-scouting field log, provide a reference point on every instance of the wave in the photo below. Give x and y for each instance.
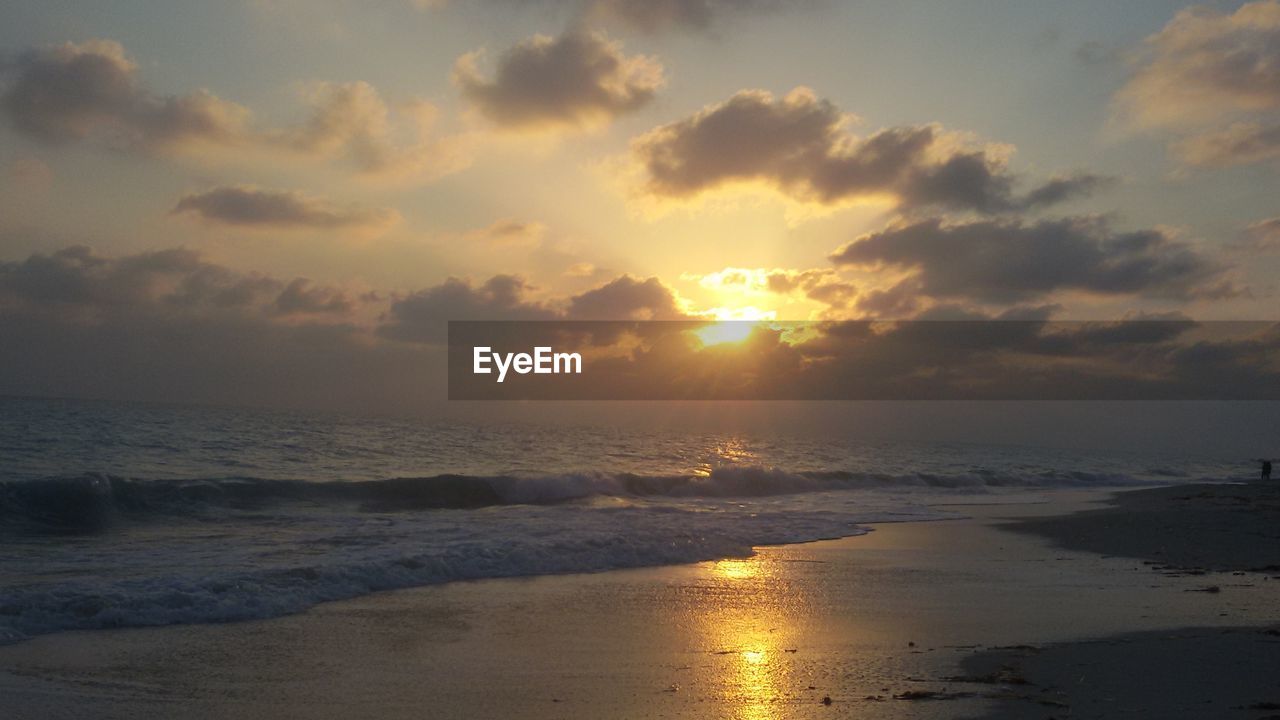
(200, 556)
(240, 585)
(94, 502)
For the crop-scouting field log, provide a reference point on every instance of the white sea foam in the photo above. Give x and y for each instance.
(320, 556)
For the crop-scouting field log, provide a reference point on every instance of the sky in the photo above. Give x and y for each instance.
(283, 201)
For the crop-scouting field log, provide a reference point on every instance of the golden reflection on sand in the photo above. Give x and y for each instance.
(735, 569)
(746, 629)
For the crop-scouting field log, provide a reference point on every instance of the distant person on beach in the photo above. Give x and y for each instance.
(1266, 470)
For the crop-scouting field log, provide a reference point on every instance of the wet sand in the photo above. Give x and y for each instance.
(1220, 527)
(1185, 532)
(887, 625)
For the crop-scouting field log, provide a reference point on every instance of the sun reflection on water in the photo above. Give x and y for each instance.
(755, 680)
(746, 626)
(733, 569)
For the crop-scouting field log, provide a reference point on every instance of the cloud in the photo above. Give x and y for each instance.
(956, 354)
(247, 206)
(351, 122)
(651, 16)
(1237, 144)
(77, 280)
(511, 232)
(1262, 236)
(781, 281)
(423, 316)
(627, 298)
(1204, 65)
(169, 325)
(77, 283)
(654, 16)
(799, 146)
(66, 92)
(1004, 261)
(580, 80)
(301, 297)
(73, 92)
(897, 301)
(1213, 80)
(822, 285)
(835, 294)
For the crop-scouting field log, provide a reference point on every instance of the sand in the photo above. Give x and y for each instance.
(1183, 673)
(1185, 532)
(883, 625)
(1221, 527)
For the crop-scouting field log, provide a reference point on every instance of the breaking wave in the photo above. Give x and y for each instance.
(154, 552)
(313, 558)
(93, 502)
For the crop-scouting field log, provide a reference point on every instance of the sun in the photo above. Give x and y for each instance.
(725, 331)
(732, 325)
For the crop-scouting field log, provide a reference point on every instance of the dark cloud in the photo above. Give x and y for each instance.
(76, 283)
(71, 92)
(301, 297)
(654, 16)
(898, 301)
(626, 298)
(254, 207)
(1003, 261)
(952, 354)
(788, 281)
(168, 325)
(577, 80)
(837, 295)
(424, 316)
(1062, 189)
(76, 279)
(66, 92)
(799, 145)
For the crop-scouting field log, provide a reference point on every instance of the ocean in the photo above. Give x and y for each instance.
(128, 514)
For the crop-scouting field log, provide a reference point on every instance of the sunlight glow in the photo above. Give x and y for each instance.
(725, 332)
(734, 324)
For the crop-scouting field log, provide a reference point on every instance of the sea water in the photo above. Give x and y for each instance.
(117, 515)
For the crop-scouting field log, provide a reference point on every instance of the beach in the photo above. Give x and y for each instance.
(952, 618)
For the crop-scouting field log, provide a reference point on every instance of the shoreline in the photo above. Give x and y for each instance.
(884, 624)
